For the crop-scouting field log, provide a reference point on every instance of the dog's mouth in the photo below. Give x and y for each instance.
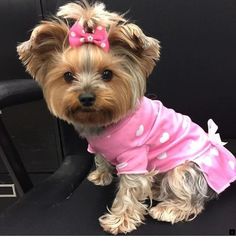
(89, 115)
(74, 111)
(86, 110)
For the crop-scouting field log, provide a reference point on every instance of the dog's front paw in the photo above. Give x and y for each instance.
(100, 178)
(115, 224)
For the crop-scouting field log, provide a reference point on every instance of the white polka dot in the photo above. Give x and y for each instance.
(193, 145)
(214, 151)
(109, 136)
(140, 130)
(164, 137)
(231, 164)
(103, 45)
(99, 28)
(162, 156)
(83, 31)
(73, 34)
(82, 39)
(207, 161)
(121, 165)
(90, 38)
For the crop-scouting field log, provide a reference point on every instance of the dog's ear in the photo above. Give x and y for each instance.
(135, 42)
(46, 39)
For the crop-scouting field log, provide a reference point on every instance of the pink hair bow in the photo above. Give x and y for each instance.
(78, 37)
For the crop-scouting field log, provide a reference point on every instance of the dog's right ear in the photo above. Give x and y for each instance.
(46, 39)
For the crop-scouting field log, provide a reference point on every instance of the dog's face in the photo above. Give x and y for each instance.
(86, 85)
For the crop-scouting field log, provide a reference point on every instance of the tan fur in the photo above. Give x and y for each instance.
(144, 50)
(174, 211)
(90, 15)
(183, 192)
(128, 209)
(113, 98)
(102, 176)
(38, 52)
(47, 56)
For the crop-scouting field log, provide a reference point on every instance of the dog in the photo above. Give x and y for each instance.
(92, 65)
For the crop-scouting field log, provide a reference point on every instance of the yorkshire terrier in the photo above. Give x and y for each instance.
(93, 75)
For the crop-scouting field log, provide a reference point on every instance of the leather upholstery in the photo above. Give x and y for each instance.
(17, 18)
(18, 91)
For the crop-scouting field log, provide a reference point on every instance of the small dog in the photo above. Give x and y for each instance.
(93, 75)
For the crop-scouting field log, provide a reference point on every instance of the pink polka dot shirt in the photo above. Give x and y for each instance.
(155, 137)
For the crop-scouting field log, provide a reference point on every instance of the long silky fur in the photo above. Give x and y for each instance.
(47, 56)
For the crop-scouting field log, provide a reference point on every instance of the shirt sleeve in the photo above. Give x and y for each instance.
(133, 161)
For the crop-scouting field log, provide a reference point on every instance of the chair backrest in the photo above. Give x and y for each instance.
(24, 15)
(196, 72)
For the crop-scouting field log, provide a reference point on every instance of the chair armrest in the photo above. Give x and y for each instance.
(18, 91)
(57, 187)
(47, 195)
(73, 170)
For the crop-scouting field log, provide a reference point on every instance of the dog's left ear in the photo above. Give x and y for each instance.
(132, 39)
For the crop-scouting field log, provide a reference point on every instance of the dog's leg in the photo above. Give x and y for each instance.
(102, 175)
(128, 209)
(183, 193)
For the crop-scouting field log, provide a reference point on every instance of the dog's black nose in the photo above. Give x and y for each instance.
(87, 99)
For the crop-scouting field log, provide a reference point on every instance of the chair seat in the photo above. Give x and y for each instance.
(60, 207)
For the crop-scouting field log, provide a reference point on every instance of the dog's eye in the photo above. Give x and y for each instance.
(68, 76)
(107, 75)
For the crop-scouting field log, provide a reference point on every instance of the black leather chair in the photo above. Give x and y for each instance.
(196, 76)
